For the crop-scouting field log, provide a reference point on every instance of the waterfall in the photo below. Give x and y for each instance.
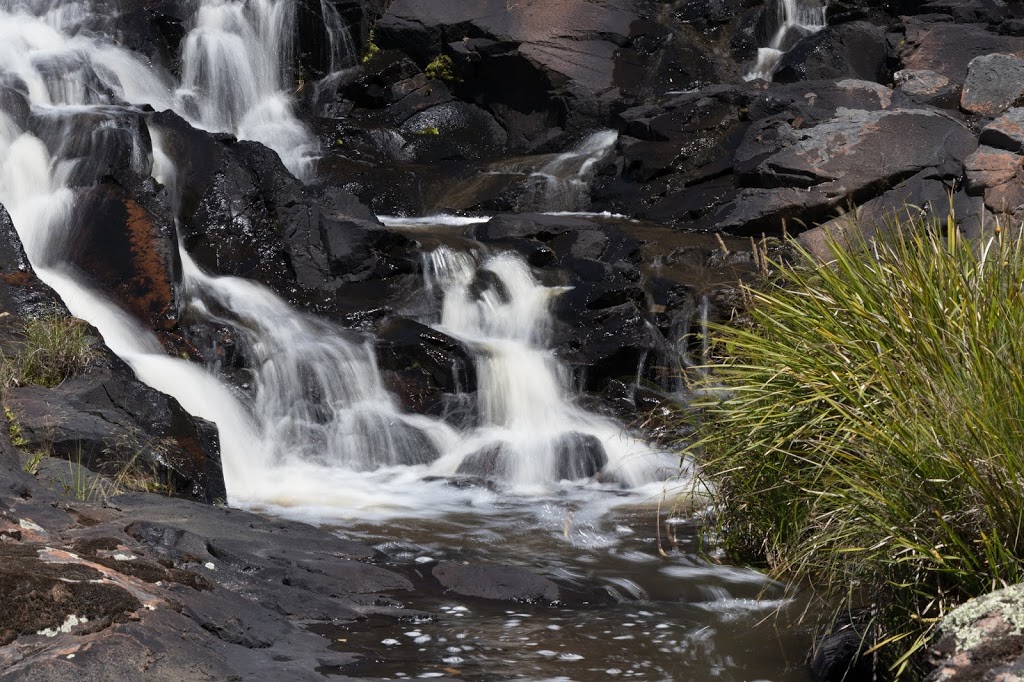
(530, 430)
(234, 64)
(317, 426)
(792, 21)
(559, 182)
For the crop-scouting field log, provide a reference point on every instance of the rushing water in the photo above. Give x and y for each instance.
(317, 436)
(792, 20)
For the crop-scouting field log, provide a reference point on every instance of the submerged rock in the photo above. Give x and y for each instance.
(499, 583)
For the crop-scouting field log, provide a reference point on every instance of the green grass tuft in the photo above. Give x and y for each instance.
(54, 347)
(864, 433)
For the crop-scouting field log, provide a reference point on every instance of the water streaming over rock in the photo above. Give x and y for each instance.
(791, 20)
(339, 37)
(530, 429)
(317, 416)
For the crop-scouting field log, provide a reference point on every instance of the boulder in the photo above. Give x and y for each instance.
(799, 174)
(948, 48)
(1006, 132)
(856, 50)
(981, 639)
(106, 420)
(578, 456)
(994, 83)
(923, 87)
(495, 582)
(21, 292)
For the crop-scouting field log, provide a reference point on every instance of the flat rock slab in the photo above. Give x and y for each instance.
(948, 48)
(994, 83)
(500, 583)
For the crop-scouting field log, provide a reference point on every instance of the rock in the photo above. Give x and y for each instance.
(499, 583)
(982, 638)
(923, 87)
(994, 83)
(21, 292)
(408, 347)
(988, 167)
(578, 456)
(856, 50)
(125, 245)
(562, 53)
(1006, 132)
(947, 48)
(837, 657)
(489, 463)
(107, 419)
(800, 174)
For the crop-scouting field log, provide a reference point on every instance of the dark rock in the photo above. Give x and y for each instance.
(847, 159)
(37, 596)
(500, 583)
(1006, 132)
(106, 418)
(948, 48)
(839, 657)
(994, 83)
(926, 88)
(21, 292)
(407, 346)
(490, 463)
(125, 245)
(851, 50)
(578, 455)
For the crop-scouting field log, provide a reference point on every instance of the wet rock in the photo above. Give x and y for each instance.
(838, 657)
(106, 419)
(406, 347)
(125, 245)
(490, 463)
(499, 583)
(994, 83)
(578, 455)
(21, 292)
(850, 50)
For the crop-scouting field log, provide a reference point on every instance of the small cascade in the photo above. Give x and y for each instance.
(234, 63)
(530, 431)
(339, 36)
(792, 20)
(563, 183)
(319, 397)
(234, 69)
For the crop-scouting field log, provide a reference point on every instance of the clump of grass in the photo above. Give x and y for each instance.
(54, 347)
(442, 68)
(864, 433)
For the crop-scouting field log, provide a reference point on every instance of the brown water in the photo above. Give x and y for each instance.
(675, 616)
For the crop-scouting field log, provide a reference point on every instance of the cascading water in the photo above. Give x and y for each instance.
(792, 20)
(530, 431)
(560, 182)
(343, 50)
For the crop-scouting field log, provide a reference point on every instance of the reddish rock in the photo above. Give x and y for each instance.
(1006, 132)
(947, 48)
(989, 167)
(995, 82)
(129, 251)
